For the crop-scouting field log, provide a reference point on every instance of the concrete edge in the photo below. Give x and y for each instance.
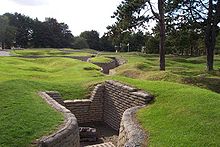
(69, 126)
(136, 135)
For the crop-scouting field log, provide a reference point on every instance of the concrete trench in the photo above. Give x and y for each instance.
(110, 110)
(113, 105)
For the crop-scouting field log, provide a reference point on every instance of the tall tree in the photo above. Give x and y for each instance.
(23, 24)
(7, 32)
(133, 14)
(92, 38)
(205, 15)
(80, 43)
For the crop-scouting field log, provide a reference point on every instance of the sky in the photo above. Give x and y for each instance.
(80, 15)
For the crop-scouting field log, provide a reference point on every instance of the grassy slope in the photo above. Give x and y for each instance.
(181, 115)
(49, 52)
(187, 70)
(24, 116)
(100, 59)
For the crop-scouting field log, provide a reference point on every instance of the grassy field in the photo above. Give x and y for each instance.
(181, 115)
(100, 59)
(24, 115)
(186, 70)
(50, 52)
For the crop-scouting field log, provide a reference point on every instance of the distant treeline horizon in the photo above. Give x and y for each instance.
(21, 31)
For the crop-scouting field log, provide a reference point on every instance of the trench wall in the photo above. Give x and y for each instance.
(88, 110)
(131, 134)
(68, 134)
(115, 104)
(107, 103)
(119, 97)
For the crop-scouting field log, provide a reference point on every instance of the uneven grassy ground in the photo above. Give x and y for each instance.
(51, 52)
(24, 116)
(181, 115)
(100, 59)
(186, 70)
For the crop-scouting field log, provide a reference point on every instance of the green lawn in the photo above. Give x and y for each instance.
(51, 52)
(100, 59)
(181, 115)
(24, 116)
(186, 70)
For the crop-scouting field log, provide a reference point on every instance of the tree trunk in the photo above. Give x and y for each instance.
(162, 34)
(210, 34)
(3, 45)
(210, 45)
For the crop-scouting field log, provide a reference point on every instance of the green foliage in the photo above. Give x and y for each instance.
(7, 32)
(34, 33)
(218, 44)
(80, 43)
(106, 43)
(92, 38)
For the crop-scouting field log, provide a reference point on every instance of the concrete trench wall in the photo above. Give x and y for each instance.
(113, 103)
(68, 135)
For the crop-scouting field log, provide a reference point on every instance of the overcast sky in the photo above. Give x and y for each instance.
(80, 15)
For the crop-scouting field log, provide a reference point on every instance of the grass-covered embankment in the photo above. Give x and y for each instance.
(100, 59)
(50, 52)
(186, 70)
(180, 115)
(24, 116)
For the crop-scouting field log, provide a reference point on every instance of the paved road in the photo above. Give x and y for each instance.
(4, 53)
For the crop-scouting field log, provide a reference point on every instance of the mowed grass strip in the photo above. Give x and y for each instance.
(186, 70)
(50, 52)
(100, 59)
(180, 115)
(24, 116)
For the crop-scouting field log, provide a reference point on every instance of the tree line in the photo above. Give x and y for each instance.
(21, 31)
(184, 27)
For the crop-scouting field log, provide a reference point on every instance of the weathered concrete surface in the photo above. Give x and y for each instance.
(68, 135)
(131, 134)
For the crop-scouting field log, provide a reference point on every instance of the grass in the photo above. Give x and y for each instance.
(186, 70)
(51, 52)
(24, 116)
(181, 115)
(100, 59)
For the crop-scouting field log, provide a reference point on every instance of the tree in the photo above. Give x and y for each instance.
(7, 32)
(23, 25)
(205, 15)
(34, 33)
(133, 14)
(92, 38)
(80, 43)
(106, 43)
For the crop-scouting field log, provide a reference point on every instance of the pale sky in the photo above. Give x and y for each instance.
(80, 15)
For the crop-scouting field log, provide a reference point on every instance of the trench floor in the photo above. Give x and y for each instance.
(104, 133)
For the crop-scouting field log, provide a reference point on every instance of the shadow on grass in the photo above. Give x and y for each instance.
(212, 84)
